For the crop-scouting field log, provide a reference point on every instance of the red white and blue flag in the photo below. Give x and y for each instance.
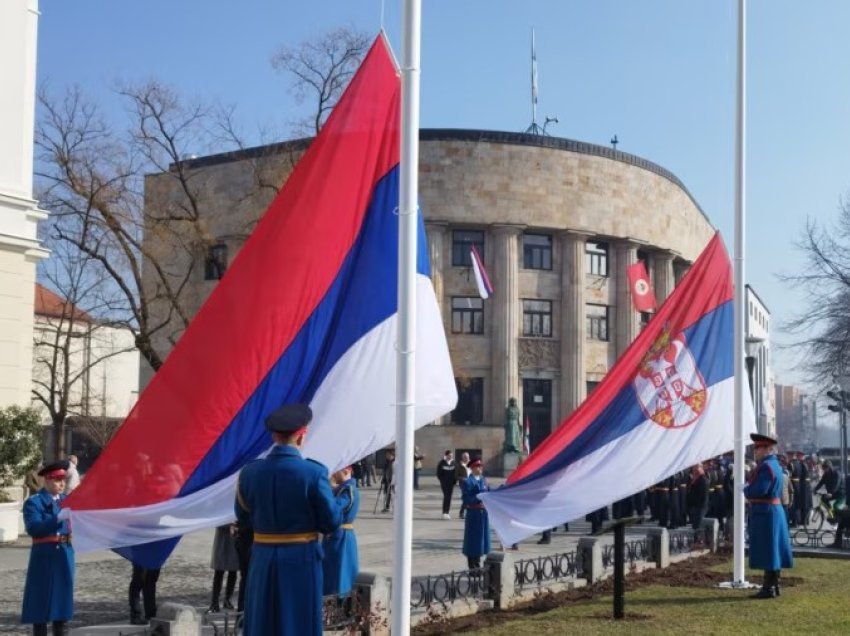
(485, 289)
(667, 404)
(307, 312)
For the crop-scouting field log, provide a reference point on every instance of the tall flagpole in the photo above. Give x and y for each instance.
(738, 581)
(405, 376)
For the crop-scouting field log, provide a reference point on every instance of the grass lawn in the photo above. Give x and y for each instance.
(814, 601)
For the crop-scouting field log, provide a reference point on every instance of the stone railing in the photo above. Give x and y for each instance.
(543, 570)
(445, 589)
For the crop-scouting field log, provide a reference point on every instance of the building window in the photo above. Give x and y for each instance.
(467, 314)
(590, 385)
(537, 251)
(216, 262)
(537, 318)
(462, 242)
(597, 258)
(597, 322)
(470, 401)
(645, 317)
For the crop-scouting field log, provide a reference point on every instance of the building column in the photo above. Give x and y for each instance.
(626, 319)
(573, 385)
(664, 278)
(436, 231)
(503, 263)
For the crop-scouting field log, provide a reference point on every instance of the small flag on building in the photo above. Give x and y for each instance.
(485, 289)
(642, 295)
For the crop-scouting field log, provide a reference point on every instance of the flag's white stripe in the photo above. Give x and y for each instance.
(629, 464)
(479, 279)
(353, 416)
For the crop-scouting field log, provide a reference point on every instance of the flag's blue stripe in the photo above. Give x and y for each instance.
(710, 339)
(362, 296)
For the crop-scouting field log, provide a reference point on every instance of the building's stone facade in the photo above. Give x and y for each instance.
(505, 185)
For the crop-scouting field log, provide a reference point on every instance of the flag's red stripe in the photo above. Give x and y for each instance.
(267, 295)
(706, 285)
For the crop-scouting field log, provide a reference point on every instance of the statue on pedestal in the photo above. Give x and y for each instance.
(513, 428)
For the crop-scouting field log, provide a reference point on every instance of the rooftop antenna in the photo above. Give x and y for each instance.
(614, 141)
(534, 128)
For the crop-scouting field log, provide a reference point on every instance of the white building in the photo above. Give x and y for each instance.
(102, 361)
(758, 362)
(19, 213)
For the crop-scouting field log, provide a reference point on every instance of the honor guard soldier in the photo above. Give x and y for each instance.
(476, 527)
(287, 501)
(770, 545)
(49, 590)
(342, 562)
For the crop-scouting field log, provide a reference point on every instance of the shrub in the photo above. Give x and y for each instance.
(20, 444)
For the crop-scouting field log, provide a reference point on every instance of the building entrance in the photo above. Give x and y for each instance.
(537, 408)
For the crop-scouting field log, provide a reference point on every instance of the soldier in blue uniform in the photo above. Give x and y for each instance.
(770, 545)
(341, 563)
(476, 528)
(287, 501)
(49, 591)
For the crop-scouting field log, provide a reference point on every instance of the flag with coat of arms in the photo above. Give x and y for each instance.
(667, 404)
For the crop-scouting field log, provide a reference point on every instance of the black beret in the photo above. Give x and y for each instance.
(762, 440)
(289, 417)
(62, 464)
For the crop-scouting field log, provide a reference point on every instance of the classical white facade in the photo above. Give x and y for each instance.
(759, 362)
(20, 249)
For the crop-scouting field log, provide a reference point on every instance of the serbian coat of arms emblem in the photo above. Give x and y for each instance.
(669, 385)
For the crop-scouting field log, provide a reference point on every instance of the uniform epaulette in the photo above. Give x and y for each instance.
(318, 463)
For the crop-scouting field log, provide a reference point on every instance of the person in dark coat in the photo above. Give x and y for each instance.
(446, 477)
(476, 527)
(697, 499)
(623, 508)
(224, 559)
(49, 587)
(674, 520)
(342, 563)
(770, 544)
(142, 594)
(243, 541)
(388, 479)
(287, 501)
(597, 518)
(834, 484)
(804, 505)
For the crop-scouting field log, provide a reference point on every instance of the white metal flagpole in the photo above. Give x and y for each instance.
(405, 376)
(738, 580)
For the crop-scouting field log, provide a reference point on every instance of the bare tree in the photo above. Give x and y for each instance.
(69, 340)
(822, 328)
(91, 176)
(322, 69)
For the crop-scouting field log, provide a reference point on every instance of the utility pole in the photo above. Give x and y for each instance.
(841, 406)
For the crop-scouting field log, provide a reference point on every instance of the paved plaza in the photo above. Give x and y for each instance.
(103, 577)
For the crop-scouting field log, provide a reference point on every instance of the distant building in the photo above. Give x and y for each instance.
(796, 419)
(103, 362)
(557, 223)
(20, 248)
(759, 370)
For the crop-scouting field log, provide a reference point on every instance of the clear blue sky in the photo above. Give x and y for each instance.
(657, 73)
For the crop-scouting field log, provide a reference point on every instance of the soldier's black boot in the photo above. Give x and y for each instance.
(766, 590)
(60, 628)
(776, 574)
(136, 613)
(39, 629)
(839, 535)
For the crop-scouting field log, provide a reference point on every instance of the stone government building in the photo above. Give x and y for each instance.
(556, 222)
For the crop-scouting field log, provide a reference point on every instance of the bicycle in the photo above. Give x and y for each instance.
(820, 513)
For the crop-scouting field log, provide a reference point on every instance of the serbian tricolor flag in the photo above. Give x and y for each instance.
(307, 312)
(667, 404)
(642, 294)
(481, 278)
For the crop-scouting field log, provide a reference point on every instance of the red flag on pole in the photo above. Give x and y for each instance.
(642, 294)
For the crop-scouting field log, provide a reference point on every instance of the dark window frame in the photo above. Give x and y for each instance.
(598, 327)
(470, 401)
(469, 319)
(537, 256)
(536, 323)
(462, 241)
(215, 263)
(597, 257)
